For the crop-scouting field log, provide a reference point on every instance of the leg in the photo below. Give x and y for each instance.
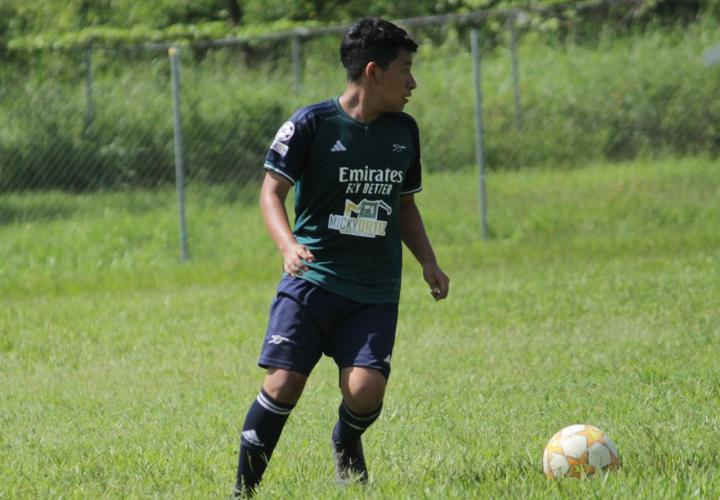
(290, 350)
(363, 390)
(362, 348)
(264, 423)
(285, 386)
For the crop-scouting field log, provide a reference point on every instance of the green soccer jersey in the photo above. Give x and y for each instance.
(348, 179)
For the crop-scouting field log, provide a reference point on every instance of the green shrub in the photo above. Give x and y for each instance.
(47, 144)
(620, 98)
(642, 94)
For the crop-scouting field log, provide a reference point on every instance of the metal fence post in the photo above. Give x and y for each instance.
(515, 72)
(479, 131)
(179, 165)
(297, 57)
(90, 110)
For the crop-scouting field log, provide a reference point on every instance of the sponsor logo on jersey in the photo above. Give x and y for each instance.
(286, 132)
(370, 181)
(361, 219)
(368, 174)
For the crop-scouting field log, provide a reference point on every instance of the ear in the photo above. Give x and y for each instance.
(370, 71)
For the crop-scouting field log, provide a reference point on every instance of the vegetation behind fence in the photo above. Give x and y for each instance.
(103, 120)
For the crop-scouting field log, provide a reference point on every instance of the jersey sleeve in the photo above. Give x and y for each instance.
(413, 177)
(289, 150)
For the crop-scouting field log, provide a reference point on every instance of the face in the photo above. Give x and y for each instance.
(395, 84)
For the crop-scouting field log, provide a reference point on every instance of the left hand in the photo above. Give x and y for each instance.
(437, 279)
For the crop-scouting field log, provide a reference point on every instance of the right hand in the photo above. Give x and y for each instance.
(294, 258)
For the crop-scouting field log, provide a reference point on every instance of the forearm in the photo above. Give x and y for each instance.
(414, 235)
(416, 239)
(276, 220)
(272, 204)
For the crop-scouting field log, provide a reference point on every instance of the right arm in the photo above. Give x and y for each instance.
(273, 193)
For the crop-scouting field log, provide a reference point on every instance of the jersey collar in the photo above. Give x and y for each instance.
(347, 117)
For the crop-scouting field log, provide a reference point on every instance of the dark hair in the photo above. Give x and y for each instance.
(372, 39)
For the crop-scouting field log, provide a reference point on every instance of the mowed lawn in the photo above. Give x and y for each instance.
(126, 374)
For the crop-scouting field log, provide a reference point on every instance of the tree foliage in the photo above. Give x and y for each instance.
(42, 24)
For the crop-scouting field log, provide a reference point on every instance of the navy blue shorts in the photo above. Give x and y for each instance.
(307, 321)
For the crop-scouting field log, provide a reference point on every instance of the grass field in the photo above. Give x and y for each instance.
(124, 373)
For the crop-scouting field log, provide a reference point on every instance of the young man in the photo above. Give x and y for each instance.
(355, 165)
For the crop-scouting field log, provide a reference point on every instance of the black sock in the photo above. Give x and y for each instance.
(261, 431)
(350, 426)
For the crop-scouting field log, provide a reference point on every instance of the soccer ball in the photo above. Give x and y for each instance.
(579, 451)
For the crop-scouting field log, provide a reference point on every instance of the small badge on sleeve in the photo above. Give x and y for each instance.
(286, 132)
(279, 148)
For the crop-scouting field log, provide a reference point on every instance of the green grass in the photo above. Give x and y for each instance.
(124, 373)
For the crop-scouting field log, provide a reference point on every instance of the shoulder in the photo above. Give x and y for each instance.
(405, 120)
(304, 123)
(408, 123)
(311, 115)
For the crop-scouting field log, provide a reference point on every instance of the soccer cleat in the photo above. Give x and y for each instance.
(241, 494)
(349, 463)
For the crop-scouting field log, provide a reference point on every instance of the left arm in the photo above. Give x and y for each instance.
(416, 239)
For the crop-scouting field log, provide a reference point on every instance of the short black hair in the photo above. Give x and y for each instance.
(372, 39)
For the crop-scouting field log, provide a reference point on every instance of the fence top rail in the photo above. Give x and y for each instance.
(463, 19)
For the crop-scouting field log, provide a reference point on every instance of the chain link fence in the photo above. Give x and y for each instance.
(100, 119)
(106, 122)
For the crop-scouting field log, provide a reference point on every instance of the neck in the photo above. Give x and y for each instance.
(356, 102)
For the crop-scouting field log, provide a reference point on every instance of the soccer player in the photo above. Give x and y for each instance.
(354, 162)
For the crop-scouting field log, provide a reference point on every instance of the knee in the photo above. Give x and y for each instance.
(363, 403)
(284, 386)
(363, 389)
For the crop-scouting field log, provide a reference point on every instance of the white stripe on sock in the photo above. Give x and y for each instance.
(353, 425)
(270, 406)
(364, 417)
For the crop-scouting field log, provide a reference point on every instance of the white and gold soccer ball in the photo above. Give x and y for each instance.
(579, 451)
